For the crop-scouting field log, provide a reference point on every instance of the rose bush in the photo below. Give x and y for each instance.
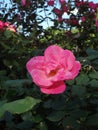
(7, 26)
(77, 107)
(50, 71)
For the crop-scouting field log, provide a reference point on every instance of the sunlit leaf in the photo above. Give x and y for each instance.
(19, 106)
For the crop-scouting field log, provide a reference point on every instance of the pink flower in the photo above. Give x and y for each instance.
(79, 3)
(23, 2)
(96, 5)
(83, 19)
(50, 71)
(6, 24)
(11, 28)
(51, 2)
(65, 8)
(58, 12)
(92, 5)
(74, 22)
(62, 2)
(1, 25)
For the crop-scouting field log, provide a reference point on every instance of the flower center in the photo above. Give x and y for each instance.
(52, 73)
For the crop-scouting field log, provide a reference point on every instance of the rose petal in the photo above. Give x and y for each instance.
(67, 59)
(70, 60)
(56, 88)
(35, 63)
(53, 53)
(40, 78)
(35, 67)
(59, 76)
(23, 2)
(50, 67)
(69, 75)
(75, 69)
(52, 57)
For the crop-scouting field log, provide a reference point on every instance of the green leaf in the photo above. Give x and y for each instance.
(27, 116)
(2, 73)
(59, 104)
(79, 114)
(26, 125)
(56, 115)
(47, 104)
(19, 106)
(82, 79)
(8, 117)
(78, 90)
(90, 51)
(7, 62)
(17, 82)
(70, 122)
(37, 118)
(8, 34)
(42, 126)
(93, 75)
(70, 82)
(92, 57)
(94, 83)
(97, 14)
(95, 62)
(92, 120)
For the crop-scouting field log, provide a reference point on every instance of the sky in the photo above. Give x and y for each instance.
(95, 1)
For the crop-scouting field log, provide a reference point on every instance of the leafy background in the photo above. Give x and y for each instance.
(22, 105)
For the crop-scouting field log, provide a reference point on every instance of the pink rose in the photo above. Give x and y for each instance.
(57, 11)
(51, 2)
(83, 19)
(1, 25)
(62, 2)
(79, 3)
(50, 71)
(65, 9)
(6, 24)
(11, 28)
(23, 2)
(92, 5)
